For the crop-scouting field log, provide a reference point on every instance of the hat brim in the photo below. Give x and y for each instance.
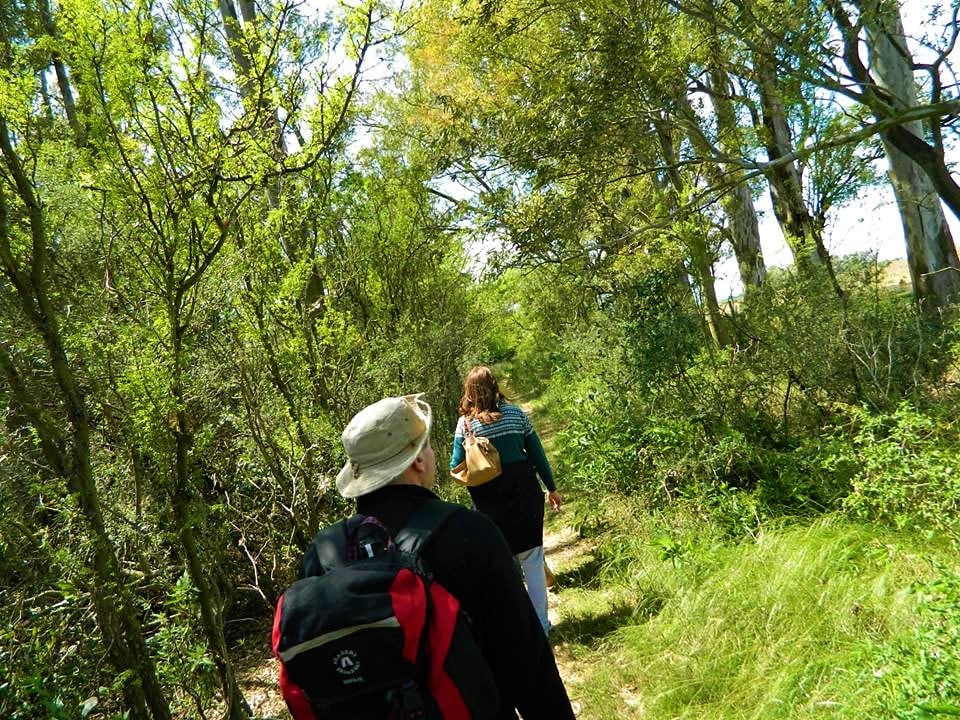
(374, 477)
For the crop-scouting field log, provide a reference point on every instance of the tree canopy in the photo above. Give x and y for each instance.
(226, 227)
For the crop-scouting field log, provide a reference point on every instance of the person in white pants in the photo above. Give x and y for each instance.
(532, 565)
(514, 500)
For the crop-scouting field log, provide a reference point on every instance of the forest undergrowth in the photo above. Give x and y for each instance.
(694, 595)
(663, 618)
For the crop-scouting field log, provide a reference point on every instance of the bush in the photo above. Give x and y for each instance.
(613, 443)
(909, 472)
(601, 451)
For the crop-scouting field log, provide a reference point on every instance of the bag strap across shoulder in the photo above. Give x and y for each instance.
(467, 428)
(426, 520)
(330, 547)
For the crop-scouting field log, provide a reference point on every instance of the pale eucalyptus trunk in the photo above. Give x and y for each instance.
(697, 245)
(931, 253)
(738, 204)
(800, 229)
(887, 108)
(744, 231)
(745, 236)
(703, 271)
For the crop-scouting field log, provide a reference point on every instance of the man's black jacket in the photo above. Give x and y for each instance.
(469, 557)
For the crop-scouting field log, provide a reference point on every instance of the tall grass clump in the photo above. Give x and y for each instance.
(793, 624)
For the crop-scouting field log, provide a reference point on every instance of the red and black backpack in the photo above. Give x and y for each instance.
(367, 633)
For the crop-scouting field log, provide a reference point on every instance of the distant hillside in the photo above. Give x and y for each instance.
(896, 273)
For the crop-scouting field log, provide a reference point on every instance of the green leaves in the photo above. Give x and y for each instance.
(909, 470)
(919, 671)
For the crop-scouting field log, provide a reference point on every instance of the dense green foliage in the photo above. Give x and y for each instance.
(715, 589)
(829, 619)
(200, 287)
(225, 227)
(848, 405)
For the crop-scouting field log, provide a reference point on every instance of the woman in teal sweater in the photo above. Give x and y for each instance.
(514, 499)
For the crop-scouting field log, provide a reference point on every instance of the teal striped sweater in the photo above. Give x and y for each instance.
(514, 438)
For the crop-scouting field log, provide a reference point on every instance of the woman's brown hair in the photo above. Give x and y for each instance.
(481, 395)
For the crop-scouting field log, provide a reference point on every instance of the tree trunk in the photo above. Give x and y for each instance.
(208, 594)
(67, 450)
(745, 237)
(703, 271)
(786, 186)
(45, 95)
(306, 478)
(885, 105)
(209, 599)
(737, 206)
(800, 230)
(63, 81)
(931, 253)
(696, 241)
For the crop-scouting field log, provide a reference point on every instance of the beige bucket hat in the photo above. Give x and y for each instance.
(382, 441)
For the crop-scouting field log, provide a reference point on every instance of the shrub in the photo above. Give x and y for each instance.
(909, 470)
(599, 450)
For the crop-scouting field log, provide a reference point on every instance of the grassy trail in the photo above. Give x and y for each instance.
(566, 555)
(579, 606)
(569, 557)
(808, 620)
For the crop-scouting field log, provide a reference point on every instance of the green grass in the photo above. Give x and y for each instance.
(667, 621)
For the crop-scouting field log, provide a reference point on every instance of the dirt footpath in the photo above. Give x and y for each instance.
(564, 550)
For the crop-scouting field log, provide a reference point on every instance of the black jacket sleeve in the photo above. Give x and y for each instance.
(471, 558)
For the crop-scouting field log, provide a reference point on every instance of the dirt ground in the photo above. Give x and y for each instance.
(257, 675)
(563, 549)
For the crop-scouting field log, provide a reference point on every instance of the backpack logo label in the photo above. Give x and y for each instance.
(346, 662)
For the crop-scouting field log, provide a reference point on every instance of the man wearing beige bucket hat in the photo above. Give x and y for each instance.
(390, 471)
(382, 441)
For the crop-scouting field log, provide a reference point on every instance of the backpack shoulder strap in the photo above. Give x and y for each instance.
(328, 549)
(426, 520)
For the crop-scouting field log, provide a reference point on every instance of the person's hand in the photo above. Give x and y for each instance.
(556, 502)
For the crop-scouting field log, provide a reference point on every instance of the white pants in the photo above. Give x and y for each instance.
(531, 565)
